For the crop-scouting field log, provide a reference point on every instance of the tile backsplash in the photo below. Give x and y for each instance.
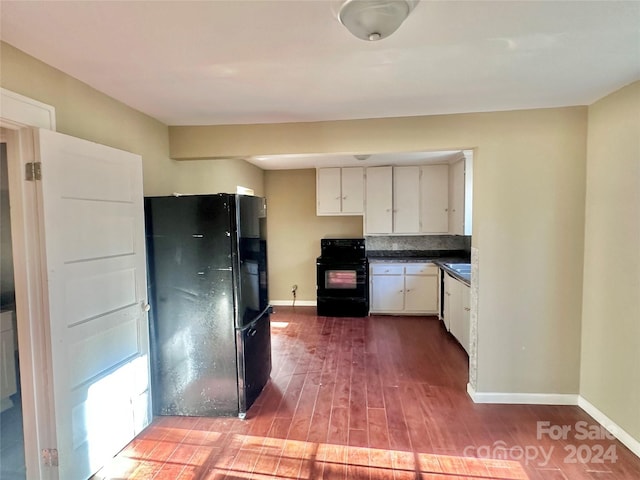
(419, 242)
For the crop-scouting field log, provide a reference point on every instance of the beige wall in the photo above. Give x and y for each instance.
(528, 204)
(529, 187)
(610, 369)
(294, 232)
(84, 112)
(217, 176)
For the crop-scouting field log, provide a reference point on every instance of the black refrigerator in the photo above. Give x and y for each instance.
(209, 321)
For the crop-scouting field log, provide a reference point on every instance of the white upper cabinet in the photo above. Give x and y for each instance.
(409, 200)
(456, 198)
(353, 190)
(406, 195)
(434, 199)
(340, 191)
(328, 191)
(402, 200)
(461, 195)
(378, 217)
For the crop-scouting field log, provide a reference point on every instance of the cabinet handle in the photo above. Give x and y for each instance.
(467, 309)
(344, 198)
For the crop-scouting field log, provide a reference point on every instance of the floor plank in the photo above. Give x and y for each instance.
(365, 399)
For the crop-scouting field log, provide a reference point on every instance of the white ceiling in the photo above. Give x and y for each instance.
(285, 162)
(240, 61)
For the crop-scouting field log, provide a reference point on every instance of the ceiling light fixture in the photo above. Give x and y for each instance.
(373, 20)
(361, 157)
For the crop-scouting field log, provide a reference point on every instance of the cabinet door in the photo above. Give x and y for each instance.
(8, 385)
(421, 293)
(406, 199)
(456, 309)
(353, 190)
(434, 199)
(328, 191)
(456, 198)
(379, 200)
(387, 293)
(466, 317)
(448, 303)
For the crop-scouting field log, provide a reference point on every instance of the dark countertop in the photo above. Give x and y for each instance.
(401, 256)
(438, 257)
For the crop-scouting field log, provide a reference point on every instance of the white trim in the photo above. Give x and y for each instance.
(32, 335)
(625, 438)
(26, 111)
(289, 303)
(18, 114)
(559, 399)
(523, 398)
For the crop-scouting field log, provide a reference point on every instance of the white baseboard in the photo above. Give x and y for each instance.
(523, 398)
(624, 437)
(559, 399)
(289, 303)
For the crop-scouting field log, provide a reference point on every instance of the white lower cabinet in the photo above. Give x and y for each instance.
(404, 288)
(387, 289)
(448, 314)
(465, 339)
(8, 384)
(457, 311)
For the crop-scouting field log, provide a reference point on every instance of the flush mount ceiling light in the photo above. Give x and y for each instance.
(361, 157)
(374, 19)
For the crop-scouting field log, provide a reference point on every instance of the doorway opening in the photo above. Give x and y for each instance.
(12, 455)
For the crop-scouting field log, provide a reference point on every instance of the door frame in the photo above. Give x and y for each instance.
(18, 116)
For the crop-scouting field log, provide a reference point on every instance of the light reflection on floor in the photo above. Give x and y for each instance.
(309, 460)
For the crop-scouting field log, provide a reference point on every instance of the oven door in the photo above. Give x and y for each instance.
(341, 279)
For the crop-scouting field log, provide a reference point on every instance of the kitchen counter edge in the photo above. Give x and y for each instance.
(437, 257)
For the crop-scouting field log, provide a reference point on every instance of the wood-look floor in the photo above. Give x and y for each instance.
(371, 398)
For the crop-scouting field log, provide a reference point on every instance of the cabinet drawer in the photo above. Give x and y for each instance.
(386, 269)
(421, 269)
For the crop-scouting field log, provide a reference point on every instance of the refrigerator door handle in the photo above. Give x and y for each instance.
(268, 310)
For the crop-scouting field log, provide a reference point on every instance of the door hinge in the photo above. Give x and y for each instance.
(50, 457)
(33, 171)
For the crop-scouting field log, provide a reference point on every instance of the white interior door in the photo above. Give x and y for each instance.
(93, 232)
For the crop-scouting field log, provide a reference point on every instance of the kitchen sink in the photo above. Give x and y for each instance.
(460, 267)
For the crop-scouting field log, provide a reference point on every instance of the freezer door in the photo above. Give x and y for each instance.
(252, 295)
(254, 364)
